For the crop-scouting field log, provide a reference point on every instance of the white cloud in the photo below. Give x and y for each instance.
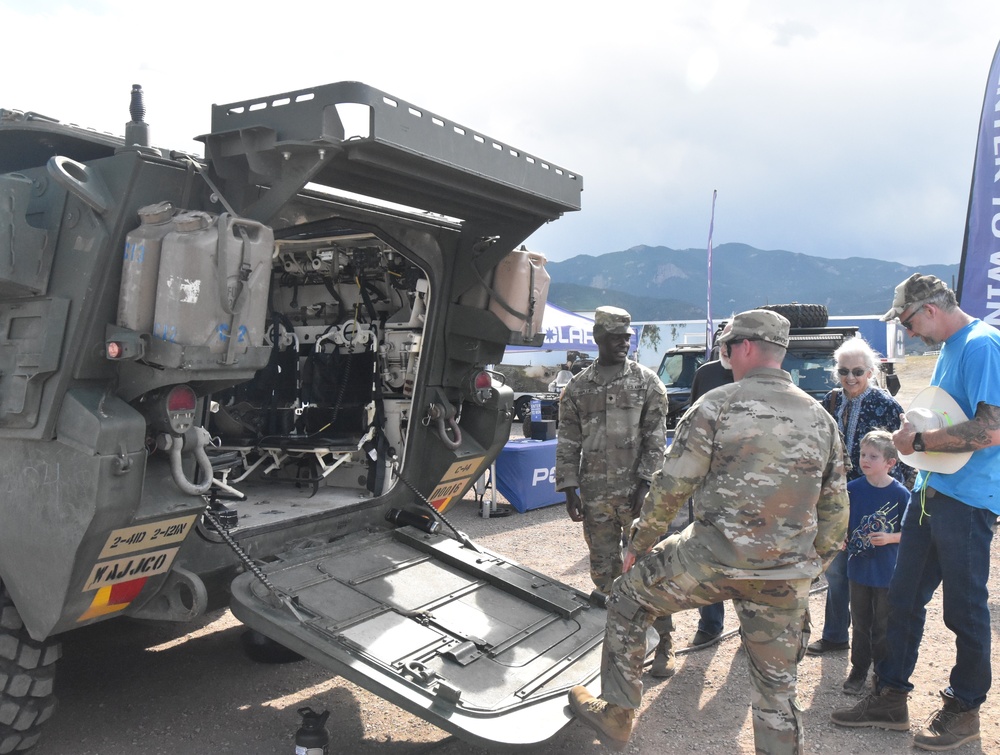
(831, 129)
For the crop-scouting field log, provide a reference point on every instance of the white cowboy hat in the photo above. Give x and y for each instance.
(931, 409)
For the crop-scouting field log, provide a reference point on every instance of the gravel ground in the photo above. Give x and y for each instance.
(127, 687)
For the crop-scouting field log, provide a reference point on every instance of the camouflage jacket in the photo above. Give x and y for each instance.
(765, 465)
(611, 434)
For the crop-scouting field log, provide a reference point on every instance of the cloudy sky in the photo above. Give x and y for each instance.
(832, 129)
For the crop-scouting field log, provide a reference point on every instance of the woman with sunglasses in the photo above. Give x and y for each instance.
(859, 406)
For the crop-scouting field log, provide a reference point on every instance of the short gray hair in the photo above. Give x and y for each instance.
(772, 350)
(856, 346)
(946, 300)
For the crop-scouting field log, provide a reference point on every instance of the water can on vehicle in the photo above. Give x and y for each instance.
(141, 266)
(521, 287)
(213, 284)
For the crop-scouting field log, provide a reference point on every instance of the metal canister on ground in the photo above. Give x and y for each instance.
(312, 737)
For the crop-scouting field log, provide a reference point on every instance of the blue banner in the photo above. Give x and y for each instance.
(979, 274)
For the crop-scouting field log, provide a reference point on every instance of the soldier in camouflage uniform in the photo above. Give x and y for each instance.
(612, 436)
(765, 465)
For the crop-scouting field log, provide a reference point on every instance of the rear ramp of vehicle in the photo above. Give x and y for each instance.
(477, 645)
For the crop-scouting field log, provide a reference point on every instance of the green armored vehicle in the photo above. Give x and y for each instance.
(259, 378)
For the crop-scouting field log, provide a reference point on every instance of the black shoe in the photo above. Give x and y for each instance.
(703, 639)
(825, 646)
(856, 682)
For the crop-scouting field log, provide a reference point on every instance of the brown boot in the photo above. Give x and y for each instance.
(663, 661)
(951, 727)
(884, 710)
(612, 723)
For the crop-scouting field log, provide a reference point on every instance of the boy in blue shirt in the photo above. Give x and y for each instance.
(877, 504)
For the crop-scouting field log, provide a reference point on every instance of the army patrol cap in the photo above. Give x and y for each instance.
(914, 290)
(758, 325)
(612, 320)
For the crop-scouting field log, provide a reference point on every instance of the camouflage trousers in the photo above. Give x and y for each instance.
(774, 620)
(605, 520)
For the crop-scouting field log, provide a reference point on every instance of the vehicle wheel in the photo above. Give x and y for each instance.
(522, 408)
(263, 649)
(802, 315)
(27, 676)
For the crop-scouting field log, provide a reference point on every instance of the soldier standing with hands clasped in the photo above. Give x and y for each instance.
(612, 436)
(765, 464)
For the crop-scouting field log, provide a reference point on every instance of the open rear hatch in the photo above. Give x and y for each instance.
(479, 646)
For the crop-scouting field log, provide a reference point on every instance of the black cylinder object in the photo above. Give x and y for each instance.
(312, 737)
(401, 518)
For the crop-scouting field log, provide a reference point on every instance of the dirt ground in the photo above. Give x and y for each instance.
(131, 688)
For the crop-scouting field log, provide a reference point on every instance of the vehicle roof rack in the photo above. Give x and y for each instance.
(410, 155)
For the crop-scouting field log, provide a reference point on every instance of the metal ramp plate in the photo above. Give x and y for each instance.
(475, 644)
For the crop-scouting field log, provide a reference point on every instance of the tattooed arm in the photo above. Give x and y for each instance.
(982, 431)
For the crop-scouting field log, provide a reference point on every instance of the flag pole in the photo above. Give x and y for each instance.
(709, 327)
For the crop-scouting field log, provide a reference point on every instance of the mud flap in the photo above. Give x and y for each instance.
(477, 645)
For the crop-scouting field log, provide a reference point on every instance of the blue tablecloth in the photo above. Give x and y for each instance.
(526, 474)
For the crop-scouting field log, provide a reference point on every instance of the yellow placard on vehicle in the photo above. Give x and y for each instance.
(151, 535)
(118, 570)
(463, 468)
(448, 489)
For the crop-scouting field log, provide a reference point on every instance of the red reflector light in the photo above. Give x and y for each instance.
(114, 349)
(181, 399)
(483, 381)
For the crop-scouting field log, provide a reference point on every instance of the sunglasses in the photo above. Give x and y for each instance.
(906, 323)
(857, 371)
(729, 345)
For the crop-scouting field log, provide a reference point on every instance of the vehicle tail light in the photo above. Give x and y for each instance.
(180, 405)
(482, 387)
(172, 410)
(181, 399)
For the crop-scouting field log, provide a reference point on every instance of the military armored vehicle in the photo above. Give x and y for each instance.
(258, 378)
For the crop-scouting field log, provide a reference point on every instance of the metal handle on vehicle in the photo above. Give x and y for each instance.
(82, 181)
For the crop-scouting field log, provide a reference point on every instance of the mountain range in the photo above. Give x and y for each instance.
(659, 283)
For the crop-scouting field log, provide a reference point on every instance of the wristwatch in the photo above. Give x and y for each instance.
(918, 442)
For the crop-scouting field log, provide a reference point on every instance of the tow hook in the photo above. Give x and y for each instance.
(194, 440)
(445, 421)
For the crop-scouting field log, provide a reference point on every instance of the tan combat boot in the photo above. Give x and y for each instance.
(663, 661)
(612, 723)
(883, 710)
(951, 727)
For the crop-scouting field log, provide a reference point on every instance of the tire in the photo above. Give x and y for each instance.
(802, 315)
(27, 677)
(262, 649)
(522, 408)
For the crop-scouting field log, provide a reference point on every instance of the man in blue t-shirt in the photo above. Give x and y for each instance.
(948, 527)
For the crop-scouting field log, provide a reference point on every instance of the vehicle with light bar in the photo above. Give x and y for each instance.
(305, 317)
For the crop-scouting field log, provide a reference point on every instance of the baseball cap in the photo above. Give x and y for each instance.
(612, 320)
(914, 290)
(758, 325)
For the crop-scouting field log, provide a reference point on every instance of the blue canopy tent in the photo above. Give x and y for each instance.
(564, 331)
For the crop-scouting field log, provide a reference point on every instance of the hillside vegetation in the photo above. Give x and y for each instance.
(659, 283)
